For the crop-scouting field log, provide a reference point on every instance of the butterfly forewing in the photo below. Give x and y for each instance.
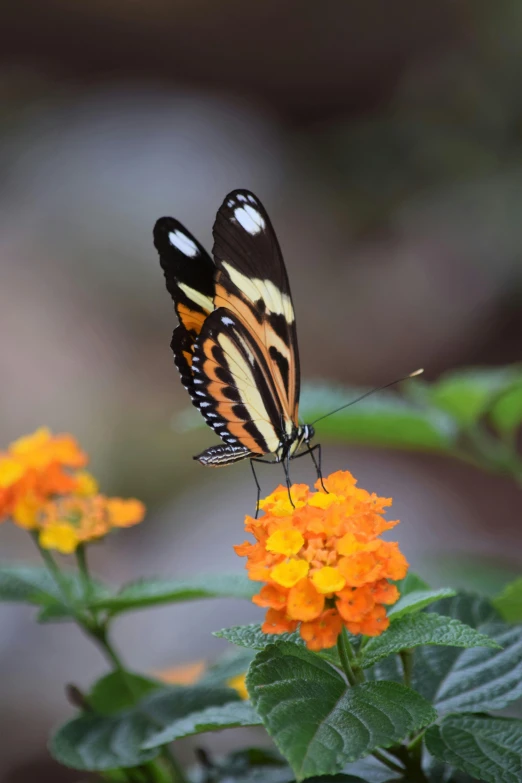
(189, 276)
(253, 284)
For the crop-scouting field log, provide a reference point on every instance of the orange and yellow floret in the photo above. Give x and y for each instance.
(323, 562)
(44, 488)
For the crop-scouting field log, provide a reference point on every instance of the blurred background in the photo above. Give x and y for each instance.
(385, 140)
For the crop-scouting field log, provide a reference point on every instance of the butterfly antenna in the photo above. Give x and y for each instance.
(367, 394)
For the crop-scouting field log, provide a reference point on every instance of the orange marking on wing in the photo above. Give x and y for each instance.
(188, 357)
(262, 334)
(191, 319)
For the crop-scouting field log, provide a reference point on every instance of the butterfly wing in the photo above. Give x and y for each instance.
(189, 275)
(233, 385)
(252, 283)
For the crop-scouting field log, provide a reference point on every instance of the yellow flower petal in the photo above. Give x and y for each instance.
(285, 542)
(59, 536)
(290, 573)
(29, 443)
(25, 513)
(328, 580)
(239, 685)
(10, 472)
(86, 484)
(322, 500)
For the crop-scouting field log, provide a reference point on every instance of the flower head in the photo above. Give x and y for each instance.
(43, 487)
(323, 562)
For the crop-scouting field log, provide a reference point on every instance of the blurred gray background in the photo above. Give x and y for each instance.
(385, 140)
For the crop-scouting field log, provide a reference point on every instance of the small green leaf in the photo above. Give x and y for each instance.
(104, 742)
(468, 394)
(35, 585)
(225, 716)
(118, 691)
(384, 419)
(416, 600)
(153, 592)
(489, 749)
(337, 724)
(414, 630)
(509, 602)
(232, 664)
(506, 413)
(411, 583)
(252, 637)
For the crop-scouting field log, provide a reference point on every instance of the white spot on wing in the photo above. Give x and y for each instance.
(250, 219)
(227, 321)
(183, 243)
(204, 404)
(251, 198)
(241, 197)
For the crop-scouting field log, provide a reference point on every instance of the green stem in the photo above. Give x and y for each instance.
(54, 570)
(97, 631)
(407, 666)
(345, 651)
(388, 762)
(83, 570)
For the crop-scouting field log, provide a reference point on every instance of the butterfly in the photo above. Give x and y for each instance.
(236, 343)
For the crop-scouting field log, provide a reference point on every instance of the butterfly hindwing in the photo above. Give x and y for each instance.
(233, 385)
(252, 283)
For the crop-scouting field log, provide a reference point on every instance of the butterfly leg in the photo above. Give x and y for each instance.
(286, 467)
(317, 463)
(258, 486)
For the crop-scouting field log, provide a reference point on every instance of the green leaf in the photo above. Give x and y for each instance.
(118, 691)
(470, 680)
(252, 637)
(506, 413)
(411, 584)
(104, 742)
(230, 665)
(489, 749)
(35, 585)
(509, 602)
(421, 629)
(96, 743)
(337, 724)
(384, 419)
(468, 394)
(153, 592)
(416, 600)
(225, 716)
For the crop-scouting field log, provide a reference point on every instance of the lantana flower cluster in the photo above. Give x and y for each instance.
(44, 488)
(323, 562)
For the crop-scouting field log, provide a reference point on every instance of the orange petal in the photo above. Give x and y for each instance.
(304, 602)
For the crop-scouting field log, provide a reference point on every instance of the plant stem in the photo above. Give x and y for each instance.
(97, 631)
(407, 666)
(346, 655)
(388, 762)
(56, 573)
(83, 569)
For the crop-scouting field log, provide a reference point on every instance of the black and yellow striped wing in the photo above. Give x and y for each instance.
(236, 345)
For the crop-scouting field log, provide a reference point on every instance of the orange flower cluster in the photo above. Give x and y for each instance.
(43, 488)
(323, 561)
